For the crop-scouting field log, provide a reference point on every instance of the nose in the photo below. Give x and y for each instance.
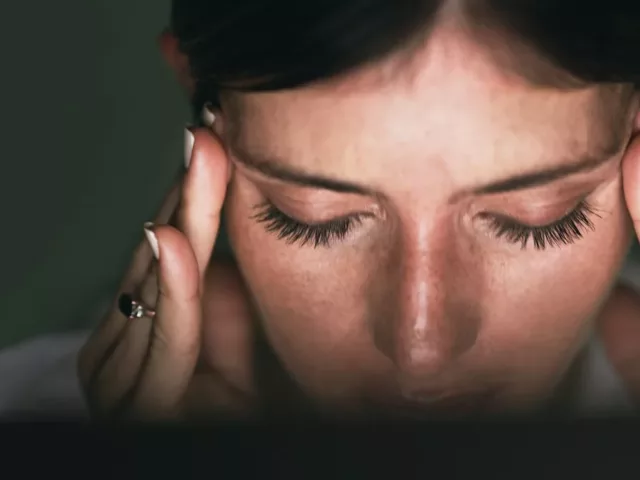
(428, 319)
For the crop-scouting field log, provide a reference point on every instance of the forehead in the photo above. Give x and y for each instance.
(447, 108)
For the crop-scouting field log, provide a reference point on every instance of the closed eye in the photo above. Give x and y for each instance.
(293, 231)
(564, 231)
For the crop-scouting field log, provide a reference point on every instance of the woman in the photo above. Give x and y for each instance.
(429, 204)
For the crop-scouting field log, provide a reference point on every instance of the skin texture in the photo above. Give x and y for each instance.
(421, 301)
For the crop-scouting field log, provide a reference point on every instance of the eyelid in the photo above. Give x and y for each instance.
(532, 210)
(307, 210)
(563, 231)
(507, 219)
(319, 223)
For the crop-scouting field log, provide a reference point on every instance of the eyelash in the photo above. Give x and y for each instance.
(565, 231)
(294, 231)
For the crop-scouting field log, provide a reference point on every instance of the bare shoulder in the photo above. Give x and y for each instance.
(619, 328)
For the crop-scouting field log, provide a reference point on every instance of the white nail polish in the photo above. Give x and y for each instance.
(208, 117)
(189, 141)
(152, 239)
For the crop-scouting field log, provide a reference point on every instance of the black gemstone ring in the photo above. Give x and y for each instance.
(132, 308)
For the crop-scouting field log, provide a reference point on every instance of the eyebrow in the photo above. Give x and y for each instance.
(277, 169)
(547, 175)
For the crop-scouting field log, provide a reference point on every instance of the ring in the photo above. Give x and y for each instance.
(132, 308)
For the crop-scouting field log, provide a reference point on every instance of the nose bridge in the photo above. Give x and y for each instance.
(429, 326)
(420, 329)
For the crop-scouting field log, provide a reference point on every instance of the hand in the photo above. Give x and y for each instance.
(631, 178)
(142, 368)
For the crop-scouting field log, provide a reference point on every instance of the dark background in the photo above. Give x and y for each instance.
(92, 136)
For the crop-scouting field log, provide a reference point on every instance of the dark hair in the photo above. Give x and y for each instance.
(259, 45)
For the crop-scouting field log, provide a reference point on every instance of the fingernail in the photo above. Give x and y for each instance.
(189, 141)
(208, 117)
(152, 239)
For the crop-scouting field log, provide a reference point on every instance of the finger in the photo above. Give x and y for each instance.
(124, 359)
(631, 181)
(142, 256)
(117, 376)
(175, 337)
(148, 289)
(203, 195)
(105, 336)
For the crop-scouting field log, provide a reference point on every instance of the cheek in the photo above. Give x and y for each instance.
(555, 294)
(311, 300)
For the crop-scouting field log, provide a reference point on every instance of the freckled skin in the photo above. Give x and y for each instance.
(424, 295)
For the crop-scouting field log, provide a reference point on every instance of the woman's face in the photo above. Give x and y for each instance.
(449, 231)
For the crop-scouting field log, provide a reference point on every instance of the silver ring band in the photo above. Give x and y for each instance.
(132, 308)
